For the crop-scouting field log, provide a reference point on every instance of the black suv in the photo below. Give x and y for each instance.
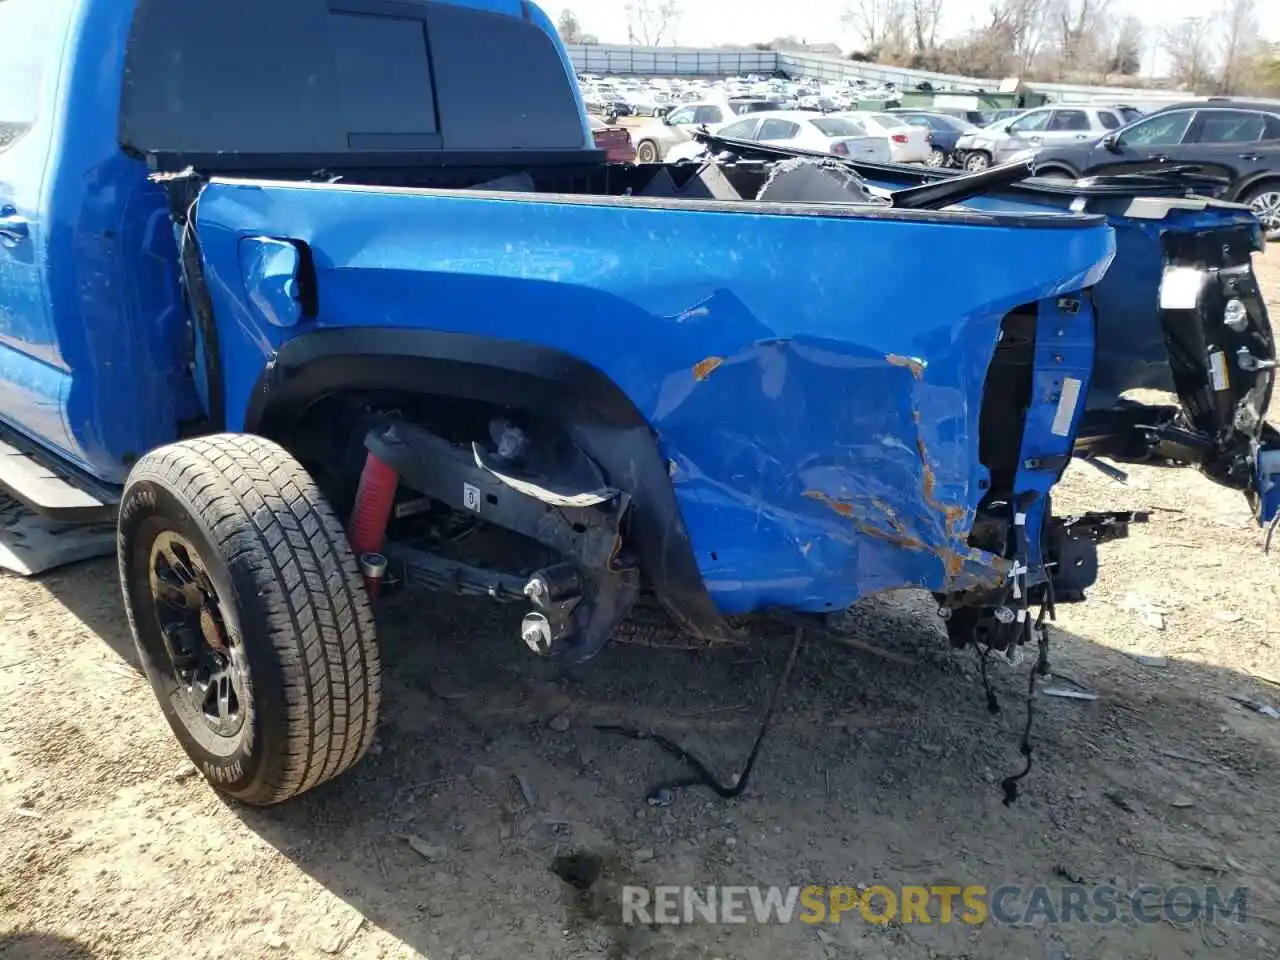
(1238, 140)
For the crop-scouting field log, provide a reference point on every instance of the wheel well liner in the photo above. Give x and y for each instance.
(1057, 166)
(1248, 183)
(590, 405)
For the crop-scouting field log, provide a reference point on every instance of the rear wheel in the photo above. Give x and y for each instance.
(977, 161)
(937, 158)
(647, 152)
(1264, 201)
(249, 614)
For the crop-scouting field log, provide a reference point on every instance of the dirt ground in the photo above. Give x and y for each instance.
(881, 769)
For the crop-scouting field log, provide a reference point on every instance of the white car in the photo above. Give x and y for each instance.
(907, 144)
(842, 136)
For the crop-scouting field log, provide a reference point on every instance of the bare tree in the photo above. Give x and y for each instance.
(569, 28)
(1029, 21)
(1238, 27)
(882, 24)
(925, 17)
(1261, 74)
(649, 22)
(1013, 37)
(1125, 53)
(1078, 24)
(1190, 48)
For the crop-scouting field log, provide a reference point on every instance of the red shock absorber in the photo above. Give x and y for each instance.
(368, 527)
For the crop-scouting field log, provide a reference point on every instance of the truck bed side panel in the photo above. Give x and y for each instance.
(813, 381)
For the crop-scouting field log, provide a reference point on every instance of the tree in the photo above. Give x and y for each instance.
(1190, 48)
(1025, 26)
(649, 22)
(570, 30)
(925, 17)
(1009, 42)
(1126, 48)
(1077, 24)
(1238, 29)
(882, 24)
(1261, 75)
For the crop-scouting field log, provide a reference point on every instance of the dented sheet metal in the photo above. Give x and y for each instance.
(814, 378)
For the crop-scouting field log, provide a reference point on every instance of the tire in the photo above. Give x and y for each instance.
(647, 152)
(1056, 174)
(268, 609)
(937, 158)
(1264, 200)
(977, 161)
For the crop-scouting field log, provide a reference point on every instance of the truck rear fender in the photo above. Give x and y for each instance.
(593, 409)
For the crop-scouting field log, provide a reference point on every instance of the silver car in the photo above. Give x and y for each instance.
(1042, 127)
(655, 138)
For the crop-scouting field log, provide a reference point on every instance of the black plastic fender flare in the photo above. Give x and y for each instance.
(1055, 166)
(588, 403)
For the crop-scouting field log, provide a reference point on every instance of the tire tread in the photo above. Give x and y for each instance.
(268, 519)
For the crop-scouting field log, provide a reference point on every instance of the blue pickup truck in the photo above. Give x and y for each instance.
(312, 303)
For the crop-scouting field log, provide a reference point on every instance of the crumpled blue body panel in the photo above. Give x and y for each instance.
(814, 381)
(1131, 343)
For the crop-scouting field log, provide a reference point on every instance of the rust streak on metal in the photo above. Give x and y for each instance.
(951, 513)
(952, 563)
(901, 540)
(913, 364)
(704, 368)
(898, 536)
(839, 506)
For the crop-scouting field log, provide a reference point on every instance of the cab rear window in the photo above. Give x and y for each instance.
(342, 77)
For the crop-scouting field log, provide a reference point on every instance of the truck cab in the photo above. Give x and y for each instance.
(305, 341)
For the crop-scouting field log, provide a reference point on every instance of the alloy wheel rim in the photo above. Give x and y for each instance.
(207, 661)
(1266, 207)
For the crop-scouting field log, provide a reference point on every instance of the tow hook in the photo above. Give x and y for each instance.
(555, 593)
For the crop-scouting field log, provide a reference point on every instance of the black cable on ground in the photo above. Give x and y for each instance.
(702, 775)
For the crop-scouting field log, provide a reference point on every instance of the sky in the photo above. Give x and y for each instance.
(712, 22)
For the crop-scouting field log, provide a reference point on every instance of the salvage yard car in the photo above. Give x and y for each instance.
(614, 141)
(945, 132)
(907, 143)
(1238, 140)
(244, 294)
(843, 136)
(655, 138)
(1051, 126)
